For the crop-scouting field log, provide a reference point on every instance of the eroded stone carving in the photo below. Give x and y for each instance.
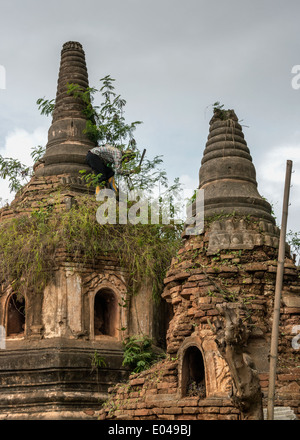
(238, 234)
(231, 338)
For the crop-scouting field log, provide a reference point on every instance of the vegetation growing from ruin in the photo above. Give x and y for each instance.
(139, 354)
(220, 112)
(29, 245)
(106, 124)
(98, 361)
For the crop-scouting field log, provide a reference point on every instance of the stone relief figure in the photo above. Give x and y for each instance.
(223, 378)
(231, 338)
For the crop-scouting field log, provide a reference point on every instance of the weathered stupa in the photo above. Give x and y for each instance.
(221, 287)
(67, 144)
(227, 174)
(56, 336)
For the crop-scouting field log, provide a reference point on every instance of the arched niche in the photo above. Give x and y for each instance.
(15, 316)
(199, 361)
(105, 314)
(193, 373)
(192, 369)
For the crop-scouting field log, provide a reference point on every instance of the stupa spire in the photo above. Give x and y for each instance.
(227, 173)
(67, 144)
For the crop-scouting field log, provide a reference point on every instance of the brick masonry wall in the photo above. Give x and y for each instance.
(194, 285)
(152, 395)
(41, 192)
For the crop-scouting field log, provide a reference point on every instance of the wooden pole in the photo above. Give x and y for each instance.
(278, 288)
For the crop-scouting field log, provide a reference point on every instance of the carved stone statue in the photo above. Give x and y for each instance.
(231, 338)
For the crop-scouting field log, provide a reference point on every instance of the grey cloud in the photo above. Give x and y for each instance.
(171, 60)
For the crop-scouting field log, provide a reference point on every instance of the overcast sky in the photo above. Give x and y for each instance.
(171, 60)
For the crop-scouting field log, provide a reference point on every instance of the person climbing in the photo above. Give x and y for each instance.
(101, 159)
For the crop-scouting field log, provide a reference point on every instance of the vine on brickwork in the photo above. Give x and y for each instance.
(29, 245)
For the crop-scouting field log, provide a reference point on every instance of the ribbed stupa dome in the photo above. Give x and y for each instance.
(67, 144)
(227, 173)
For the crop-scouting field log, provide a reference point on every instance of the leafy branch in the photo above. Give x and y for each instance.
(16, 172)
(138, 353)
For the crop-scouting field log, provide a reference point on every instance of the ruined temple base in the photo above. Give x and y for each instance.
(54, 379)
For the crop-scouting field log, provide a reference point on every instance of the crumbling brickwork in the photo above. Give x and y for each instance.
(233, 260)
(195, 284)
(46, 366)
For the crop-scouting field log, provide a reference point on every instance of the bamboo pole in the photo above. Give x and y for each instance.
(278, 289)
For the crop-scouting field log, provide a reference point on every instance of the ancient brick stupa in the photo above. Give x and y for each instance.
(221, 287)
(67, 144)
(46, 368)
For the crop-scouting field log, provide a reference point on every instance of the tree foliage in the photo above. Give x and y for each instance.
(139, 354)
(105, 124)
(293, 239)
(28, 245)
(16, 172)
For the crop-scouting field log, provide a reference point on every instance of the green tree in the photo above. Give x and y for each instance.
(105, 124)
(16, 172)
(293, 239)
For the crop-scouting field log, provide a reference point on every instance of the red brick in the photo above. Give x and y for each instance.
(157, 410)
(134, 394)
(175, 289)
(204, 300)
(142, 412)
(199, 314)
(192, 311)
(163, 385)
(228, 417)
(178, 276)
(207, 417)
(212, 409)
(189, 284)
(151, 391)
(167, 417)
(263, 376)
(212, 312)
(225, 410)
(89, 412)
(290, 310)
(206, 306)
(191, 410)
(197, 277)
(192, 401)
(185, 417)
(173, 410)
(288, 377)
(131, 405)
(186, 293)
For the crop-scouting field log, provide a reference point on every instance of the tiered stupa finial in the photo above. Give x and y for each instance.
(67, 144)
(227, 173)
